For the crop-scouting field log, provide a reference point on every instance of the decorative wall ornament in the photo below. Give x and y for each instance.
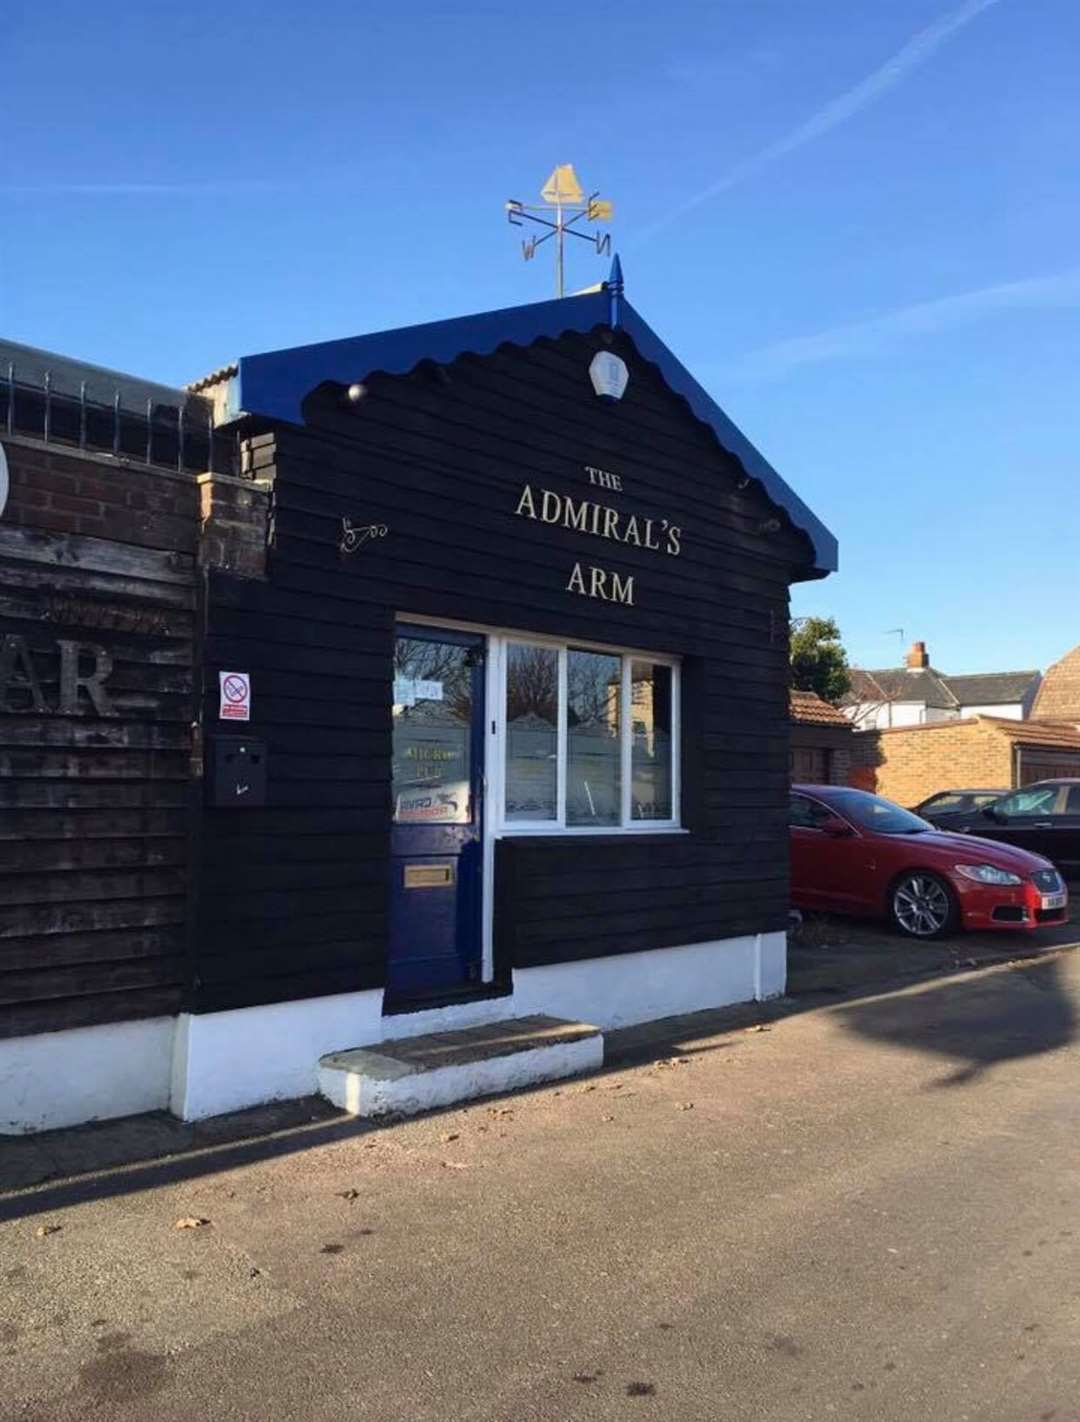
(354, 535)
(609, 375)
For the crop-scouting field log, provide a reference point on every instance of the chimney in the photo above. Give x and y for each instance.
(917, 659)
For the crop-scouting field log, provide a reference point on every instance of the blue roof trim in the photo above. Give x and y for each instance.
(275, 383)
(651, 348)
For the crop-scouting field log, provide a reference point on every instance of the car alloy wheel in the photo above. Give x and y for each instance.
(922, 906)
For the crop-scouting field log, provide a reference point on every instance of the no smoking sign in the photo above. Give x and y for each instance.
(235, 691)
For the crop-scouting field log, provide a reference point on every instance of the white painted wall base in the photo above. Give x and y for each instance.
(660, 982)
(223, 1061)
(371, 1094)
(59, 1079)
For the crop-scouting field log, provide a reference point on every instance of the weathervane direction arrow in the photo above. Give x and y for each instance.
(564, 205)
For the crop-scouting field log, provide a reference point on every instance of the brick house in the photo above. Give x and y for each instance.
(918, 693)
(821, 739)
(1059, 695)
(909, 763)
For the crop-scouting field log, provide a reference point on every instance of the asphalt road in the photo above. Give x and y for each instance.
(868, 1211)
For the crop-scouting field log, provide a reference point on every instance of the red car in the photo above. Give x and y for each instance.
(856, 853)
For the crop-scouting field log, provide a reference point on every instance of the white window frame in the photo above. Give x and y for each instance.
(498, 645)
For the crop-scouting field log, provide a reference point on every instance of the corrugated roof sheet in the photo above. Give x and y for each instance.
(224, 372)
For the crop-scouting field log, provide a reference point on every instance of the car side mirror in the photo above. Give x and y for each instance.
(836, 827)
(988, 812)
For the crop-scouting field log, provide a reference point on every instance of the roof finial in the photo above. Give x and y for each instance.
(615, 288)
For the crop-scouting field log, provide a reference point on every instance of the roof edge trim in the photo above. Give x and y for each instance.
(275, 383)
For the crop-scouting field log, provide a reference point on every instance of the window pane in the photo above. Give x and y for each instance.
(593, 769)
(432, 725)
(532, 732)
(650, 741)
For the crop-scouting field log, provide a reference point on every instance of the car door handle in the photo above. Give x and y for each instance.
(1043, 824)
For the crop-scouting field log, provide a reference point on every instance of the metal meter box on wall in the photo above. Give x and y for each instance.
(237, 772)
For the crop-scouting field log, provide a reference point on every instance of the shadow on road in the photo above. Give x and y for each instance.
(974, 1022)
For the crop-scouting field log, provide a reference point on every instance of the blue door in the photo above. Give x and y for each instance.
(436, 844)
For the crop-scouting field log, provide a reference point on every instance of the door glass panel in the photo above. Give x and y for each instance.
(532, 732)
(432, 732)
(593, 770)
(650, 741)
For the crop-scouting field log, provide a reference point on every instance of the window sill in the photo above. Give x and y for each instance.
(538, 831)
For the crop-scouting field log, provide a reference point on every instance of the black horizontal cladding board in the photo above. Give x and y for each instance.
(442, 460)
(96, 707)
(293, 894)
(90, 1010)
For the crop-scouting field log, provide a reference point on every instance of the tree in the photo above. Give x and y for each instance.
(818, 660)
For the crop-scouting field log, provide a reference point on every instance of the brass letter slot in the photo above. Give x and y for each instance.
(429, 876)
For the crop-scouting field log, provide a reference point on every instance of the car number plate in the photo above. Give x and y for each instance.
(1053, 901)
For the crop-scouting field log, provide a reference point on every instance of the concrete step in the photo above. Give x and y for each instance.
(411, 1074)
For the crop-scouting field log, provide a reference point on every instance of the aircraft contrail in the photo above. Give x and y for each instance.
(1058, 291)
(917, 51)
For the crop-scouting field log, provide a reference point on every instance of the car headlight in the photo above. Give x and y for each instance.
(987, 874)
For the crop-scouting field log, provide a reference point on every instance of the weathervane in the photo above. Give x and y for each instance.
(565, 201)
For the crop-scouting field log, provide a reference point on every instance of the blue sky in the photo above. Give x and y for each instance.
(856, 223)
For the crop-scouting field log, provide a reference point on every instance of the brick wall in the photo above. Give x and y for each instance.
(908, 764)
(1059, 694)
(100, 497)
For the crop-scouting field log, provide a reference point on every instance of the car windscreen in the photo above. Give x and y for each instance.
(873, 813)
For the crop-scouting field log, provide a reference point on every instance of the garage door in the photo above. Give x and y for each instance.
(1047, 764)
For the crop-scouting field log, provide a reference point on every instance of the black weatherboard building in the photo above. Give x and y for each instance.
(505, 601)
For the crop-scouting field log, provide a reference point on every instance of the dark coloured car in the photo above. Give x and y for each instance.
(1043, 818)
(950, 808)
(856, 853)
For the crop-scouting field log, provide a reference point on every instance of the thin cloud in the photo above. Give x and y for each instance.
(139, 189)
(863, 338)
(910, 56)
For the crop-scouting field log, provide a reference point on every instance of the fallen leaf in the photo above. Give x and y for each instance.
(350, 1194)
(685, 1106)
(759, 1028)
(43, 1230)
(447, 1137)
(455, 1165)
(589, 1086)
(190, 1222)
(607, 1118)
